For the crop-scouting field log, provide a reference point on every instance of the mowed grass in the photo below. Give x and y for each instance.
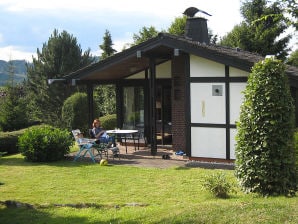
(123, 194)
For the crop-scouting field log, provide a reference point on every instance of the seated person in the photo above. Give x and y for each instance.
(97, 130)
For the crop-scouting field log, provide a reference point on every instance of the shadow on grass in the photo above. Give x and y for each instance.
(32, 216)
(23, 215)
(18, 160)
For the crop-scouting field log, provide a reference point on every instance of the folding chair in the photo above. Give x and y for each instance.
(109, 144)
(85, 146)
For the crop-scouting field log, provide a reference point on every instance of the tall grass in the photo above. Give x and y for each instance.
(123, 194)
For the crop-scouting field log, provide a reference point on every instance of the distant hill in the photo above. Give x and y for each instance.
(20, 71)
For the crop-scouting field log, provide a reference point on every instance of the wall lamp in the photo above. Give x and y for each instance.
(50, 81)
(176, 52)
(139, 54)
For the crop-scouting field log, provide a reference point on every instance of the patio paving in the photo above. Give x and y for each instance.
(143, 158)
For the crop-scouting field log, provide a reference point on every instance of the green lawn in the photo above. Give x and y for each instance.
(122, 194)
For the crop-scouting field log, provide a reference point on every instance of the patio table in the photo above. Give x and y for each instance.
(124, 133)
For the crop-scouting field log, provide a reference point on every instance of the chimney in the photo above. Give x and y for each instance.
(196, 29)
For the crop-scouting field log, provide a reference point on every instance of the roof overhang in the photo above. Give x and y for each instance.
(160, 49)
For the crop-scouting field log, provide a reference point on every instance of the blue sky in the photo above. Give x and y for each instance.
(27, 24)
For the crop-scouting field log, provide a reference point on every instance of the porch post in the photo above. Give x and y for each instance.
(152, 103)
(90, 103)
(119, 105)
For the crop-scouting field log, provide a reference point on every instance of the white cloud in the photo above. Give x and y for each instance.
(87, 19)
(14, 53)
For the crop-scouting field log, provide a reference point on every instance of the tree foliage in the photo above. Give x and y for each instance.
(261, 29)
(58, 57)
(105, 99)
(265, 154)
(105, 95)
(75, 112)
(145, 33)
(107, 46)
(177, 27)
(13, 113)
(293, 58)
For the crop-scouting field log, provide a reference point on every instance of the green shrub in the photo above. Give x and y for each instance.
(218, 185)
(265, 156)
(75, 112)
(109, 122)
(296, 150)
(44, 143)
(9, 140)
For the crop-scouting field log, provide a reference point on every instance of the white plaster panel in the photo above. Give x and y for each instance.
(236, 99)
(233, 132)
(140, 75)
(235, 72)
(206, 108)
(208, 142)
(164, 70)
(201, 67)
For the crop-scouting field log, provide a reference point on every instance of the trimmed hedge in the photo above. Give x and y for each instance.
(109, 122)
(9, 140)
(265, 156)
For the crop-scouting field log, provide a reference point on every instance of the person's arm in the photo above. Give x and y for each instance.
(99, 134)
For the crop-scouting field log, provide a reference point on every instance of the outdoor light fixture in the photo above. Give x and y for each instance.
(73, 82)
(139, 54)
(50, 81)
(176, 52)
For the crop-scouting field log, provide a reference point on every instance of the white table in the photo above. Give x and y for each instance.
(124, 133)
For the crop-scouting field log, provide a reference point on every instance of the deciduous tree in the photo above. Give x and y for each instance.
(261, 29)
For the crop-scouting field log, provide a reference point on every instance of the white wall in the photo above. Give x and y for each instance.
(233, 132)
(140, 75)
(236, 99)
(162, 71)
(208, 142)
(206, 108)
(235, 72)
(200, 67)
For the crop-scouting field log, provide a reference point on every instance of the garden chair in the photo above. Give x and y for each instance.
(86, 146)
(106, 144)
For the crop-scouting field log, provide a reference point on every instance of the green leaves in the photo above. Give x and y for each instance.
(44, 143)
(264, 154)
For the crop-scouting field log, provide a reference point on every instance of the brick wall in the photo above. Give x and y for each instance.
(178, 103)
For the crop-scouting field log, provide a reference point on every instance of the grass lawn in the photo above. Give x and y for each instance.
(122, 194)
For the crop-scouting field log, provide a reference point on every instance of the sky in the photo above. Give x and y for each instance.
(27, 24)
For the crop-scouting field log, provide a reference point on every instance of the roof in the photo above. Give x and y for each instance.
(161, 48)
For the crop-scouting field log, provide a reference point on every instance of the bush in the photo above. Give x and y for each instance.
(265, 156)
(75, 112)
(9, 140)
(296, 150)
(109, 122)
(218, 185)
(44, 143)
